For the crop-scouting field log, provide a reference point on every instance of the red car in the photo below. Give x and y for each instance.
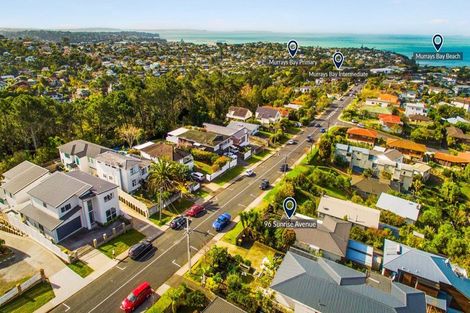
(195, 210)
(136, 297)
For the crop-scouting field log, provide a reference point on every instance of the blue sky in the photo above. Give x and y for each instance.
(450, 17)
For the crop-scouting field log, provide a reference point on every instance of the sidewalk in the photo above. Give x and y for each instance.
(66, 282)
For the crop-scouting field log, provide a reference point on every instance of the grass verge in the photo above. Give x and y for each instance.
(31, 300)
(231, 236)
(229, 175)
(121, 243)
(81, 268)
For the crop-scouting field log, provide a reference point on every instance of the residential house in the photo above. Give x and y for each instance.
(18, 181)
(252, 128)
(239, 113)
(367, 186)
(446, 286)
(330, 238)
(267, 115)
(458, 135)
(221, 305)
(383, 100)
(455, 120)
(200, 139)
(462, 89)
(391, 123)
(80, 154)
(462, 103)
(358, 158)
(450, 160)
(409, 210)
(350, 211)
(419, 119)
(126, 171)
(418, 108)
(238, 135)
(362, 135)
(63, 204)
(410, 149)
(161, 150)
(307, 284)
(402, 177)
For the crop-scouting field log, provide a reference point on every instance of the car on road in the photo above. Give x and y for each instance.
(221, 222)
(323, 130)
(249, 172)
(360, 125)
(136, 297)
(195, 210)
(309, 138)
(291, 142)
(178, 222)
(284, 167)
(197, 176)
(264, 184)
(353, 121)
(140, 249)
(317, 125)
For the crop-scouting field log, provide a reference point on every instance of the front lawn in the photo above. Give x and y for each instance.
(231, 236)
(179, 206)
(31, 300)
(121, 243)
(155, 218)
(162, 304)
(258, 157)
(229, 175)
(81, 268)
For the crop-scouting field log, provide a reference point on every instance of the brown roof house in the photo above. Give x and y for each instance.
(238, 113)
(162, 150)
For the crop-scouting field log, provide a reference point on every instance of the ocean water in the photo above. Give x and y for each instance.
(403, 44)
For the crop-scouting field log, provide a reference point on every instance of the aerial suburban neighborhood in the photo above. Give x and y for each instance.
(159, 171)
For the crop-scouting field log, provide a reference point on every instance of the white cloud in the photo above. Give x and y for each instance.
(439, 21)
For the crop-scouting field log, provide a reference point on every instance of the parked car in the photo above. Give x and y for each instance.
(323, 130)
(139, 249)
(195, 210)
(197, 176)
(361, 125)
(353, 121)
(284, 167)
(249, 172)
(264, 184)
(234, 149)
(178, 222)
(221, 222)
(318, 125)
(309, 138)
(136, 297)
(291, 142)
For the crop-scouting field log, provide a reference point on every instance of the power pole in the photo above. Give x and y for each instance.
(187, 243)
(160, 202)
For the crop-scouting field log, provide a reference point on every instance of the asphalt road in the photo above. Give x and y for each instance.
(106, 293)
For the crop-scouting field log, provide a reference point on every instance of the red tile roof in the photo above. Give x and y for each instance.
(450, 158)
(389, 118)
(362, 132)
(405, 144)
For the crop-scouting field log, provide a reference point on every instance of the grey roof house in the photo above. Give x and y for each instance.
(80, 154)
(307, 284)
(446, 286)
(18, 181)
(407, 209)
(267, 115)
(239, 113)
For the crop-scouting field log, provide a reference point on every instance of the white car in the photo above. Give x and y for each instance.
(249, 172)
(197, 176)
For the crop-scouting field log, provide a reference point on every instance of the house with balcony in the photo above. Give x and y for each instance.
(63, 204)
(446, 285)
(126, 171)
(307, 284)
(362, 135)
(81, 155)
(410, 149)
(239, 113)
(18, 181)
(238, 135)
(418, 108)
(162, 150)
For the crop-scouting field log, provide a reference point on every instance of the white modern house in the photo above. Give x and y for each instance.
(63, 204)
(418, 108)
(80, 154)
(126, 171)
(18, 181)
(252, 128)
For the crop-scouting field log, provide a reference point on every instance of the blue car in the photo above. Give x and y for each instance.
(221, 222)
(323, 130)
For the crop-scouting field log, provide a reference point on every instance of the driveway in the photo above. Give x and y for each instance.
(30, 257)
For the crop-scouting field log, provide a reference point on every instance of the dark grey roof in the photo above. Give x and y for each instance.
(267, 112)
(98, 185)
(220, 305)
(58, 188)
(331, 236)
(329, 287)
(47, 220)
(82, 148)
(22, 176)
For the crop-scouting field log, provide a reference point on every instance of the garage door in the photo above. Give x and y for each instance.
(69, 228)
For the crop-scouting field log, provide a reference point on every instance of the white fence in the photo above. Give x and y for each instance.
(14, 292)
(226, 167)
(135, 204)
(14, 220)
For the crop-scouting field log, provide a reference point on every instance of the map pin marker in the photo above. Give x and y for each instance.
(290, 205)
(437, 41)
(338, 59)
(292, 47)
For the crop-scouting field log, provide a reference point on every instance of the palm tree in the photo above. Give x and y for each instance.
(167, 177)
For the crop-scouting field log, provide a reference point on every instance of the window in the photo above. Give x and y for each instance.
(65, 208)
(108, 197)
(132, 170)
(134, 182)
(111, 214)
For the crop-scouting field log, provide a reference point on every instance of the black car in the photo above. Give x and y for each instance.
(318, 125)
(309, 138)
(264, 184)
(284, 167)
(140, 248)
(178, 222)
